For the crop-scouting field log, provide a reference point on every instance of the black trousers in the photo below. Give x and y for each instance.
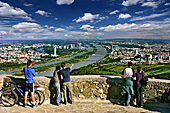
(139, 94)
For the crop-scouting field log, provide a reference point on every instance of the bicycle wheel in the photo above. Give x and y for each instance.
(9, 98)
(41, 96)
(36, 96)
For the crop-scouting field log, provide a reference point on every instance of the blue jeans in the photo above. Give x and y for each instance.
(58, 93)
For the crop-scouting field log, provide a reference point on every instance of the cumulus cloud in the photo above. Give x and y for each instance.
(130, 2)
(150, 16)
(59, 29)
(66, 35)
(28, 5)
(3, 32)
(114, 12)
(167, 3)
(56, 18)
(124, 16)
(89, 17)
(150, 4)
(42, 13)
(7, 10)
(27, 27)
(62, 2)
(133, 26)
(87, 27)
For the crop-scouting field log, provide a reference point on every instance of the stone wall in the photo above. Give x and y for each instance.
(96, 87)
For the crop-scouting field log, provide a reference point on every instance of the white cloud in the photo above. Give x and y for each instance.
(167, 4)
(130, 2)
(90, 17)
(150, 4)
(124, 16)
(27, 27)
(42, 13)
(114, 12)
(66, 35)
(51, 27)
(133, 26)
(59, 29)
(87, 27)
(139, 12)
(62, 2)
(28, 5)
(6, 10)
(56, 18)
(3, 32)
(150, 16)
(87, 16)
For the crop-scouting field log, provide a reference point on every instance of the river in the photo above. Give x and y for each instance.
(101, 52)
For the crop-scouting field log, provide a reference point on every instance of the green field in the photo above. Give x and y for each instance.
(161, 71)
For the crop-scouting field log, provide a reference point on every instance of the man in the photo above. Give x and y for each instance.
(29, 82)
(66, 84)
(127, 85)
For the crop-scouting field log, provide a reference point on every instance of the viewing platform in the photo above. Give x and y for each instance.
(93, 94)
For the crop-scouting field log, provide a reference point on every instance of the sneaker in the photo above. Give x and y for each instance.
(58, 103)
(25, 105)
(73, 102)
(34, 106)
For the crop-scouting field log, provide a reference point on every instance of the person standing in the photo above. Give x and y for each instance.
(66, 84)
(29, 82)
(139, 87)
(127, 84)
(57, 79)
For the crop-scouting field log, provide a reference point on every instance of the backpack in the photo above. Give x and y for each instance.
(144, 80)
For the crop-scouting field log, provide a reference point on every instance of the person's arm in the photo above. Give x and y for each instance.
(33, 72)
(134, 75)
(122, 75)
(71, 66)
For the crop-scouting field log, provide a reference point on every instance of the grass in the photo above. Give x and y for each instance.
(161, 71)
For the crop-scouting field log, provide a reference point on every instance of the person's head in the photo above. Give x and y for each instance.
(57, 68)
(29, 63)
(63, 65)
(130, 64)
(139, 69)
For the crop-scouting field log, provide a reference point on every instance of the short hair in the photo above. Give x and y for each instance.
(63, 64)
(57, 68)
(29, 62)
(130, 64)
(139, 69)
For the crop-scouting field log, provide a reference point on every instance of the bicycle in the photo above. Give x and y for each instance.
(10, 97)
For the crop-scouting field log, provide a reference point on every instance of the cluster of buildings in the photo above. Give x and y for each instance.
(147, 54)
(20, 53)
(68, 46)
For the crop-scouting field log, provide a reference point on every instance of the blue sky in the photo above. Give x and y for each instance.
(84, 19)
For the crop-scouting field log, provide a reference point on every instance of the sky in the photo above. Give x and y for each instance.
(84, 19)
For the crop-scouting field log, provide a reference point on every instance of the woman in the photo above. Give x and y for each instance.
(57, 79)
(127, 84)
(139, 87)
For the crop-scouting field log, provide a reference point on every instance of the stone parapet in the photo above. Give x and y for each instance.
(96, 87)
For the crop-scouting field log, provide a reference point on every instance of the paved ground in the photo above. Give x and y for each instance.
(79, 107)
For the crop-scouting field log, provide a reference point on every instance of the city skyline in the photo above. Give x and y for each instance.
(84, 19)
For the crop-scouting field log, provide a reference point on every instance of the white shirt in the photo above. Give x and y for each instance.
(128, 72)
